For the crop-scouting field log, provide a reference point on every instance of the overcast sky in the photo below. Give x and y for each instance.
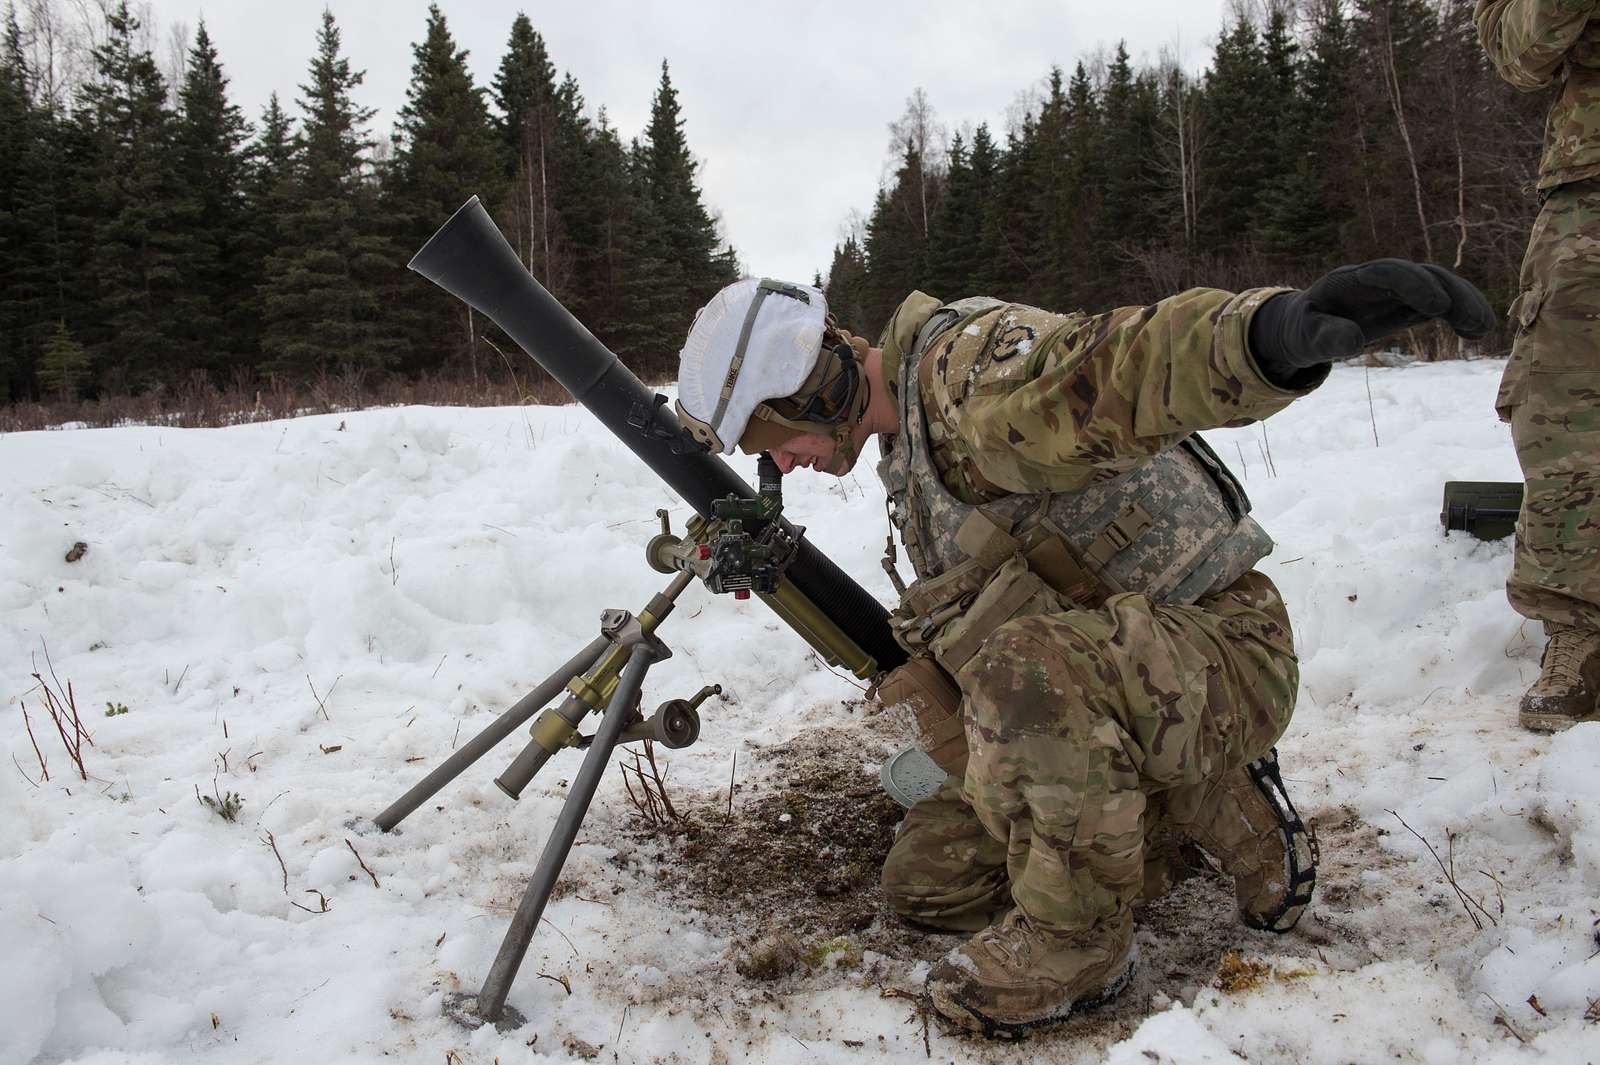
(788, 105)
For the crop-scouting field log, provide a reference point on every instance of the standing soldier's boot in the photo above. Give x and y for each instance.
(1018, 975)
(1244, 820)
(1568, 684)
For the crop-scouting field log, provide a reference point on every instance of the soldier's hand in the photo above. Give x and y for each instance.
(1353, 306)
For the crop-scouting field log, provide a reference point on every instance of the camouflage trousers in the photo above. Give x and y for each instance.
(1087, 730)
(1551, 396)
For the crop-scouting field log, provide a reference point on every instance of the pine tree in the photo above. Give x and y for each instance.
(1124, 155)
(63, 366)
(332, 284)
(1055, 221)
(1297, 221)
(1082, 233)
(896, 244)
(132, 179)
(611, 205)
(846, 286)
(655, 299)
(543, 139)
(444, 148)
(667, 171)
(269, 179)
(953, 235)
(18, 129)
(1238, 109)
(54, 278)
(211, 319)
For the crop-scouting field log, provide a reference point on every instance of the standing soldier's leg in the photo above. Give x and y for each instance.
(1071, 719)
(1551, 396)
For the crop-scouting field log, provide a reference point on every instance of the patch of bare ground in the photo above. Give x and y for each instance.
(799, 852)
(792, 879)
(1351, 849)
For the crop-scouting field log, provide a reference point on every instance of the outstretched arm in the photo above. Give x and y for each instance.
(1528, 40)
(1120, 387)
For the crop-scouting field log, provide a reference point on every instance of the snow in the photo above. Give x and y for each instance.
(310, 613)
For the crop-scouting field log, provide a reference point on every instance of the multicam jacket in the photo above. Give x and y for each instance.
(1535, 44)
(1025, 432)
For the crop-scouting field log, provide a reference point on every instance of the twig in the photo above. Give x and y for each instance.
(52, 667)
(563, 935)
(322, 901)
(314, 990)
(1370, 412)
(36, 752)
(847, 679)
(440, 666)
(63, 710)
(24, 773)
(1450, 838)
(179, 685)
(1242, 460)
(272, 842)
(731, 771)
(661, 783)
(1503, 1021)
(562, 979)
(364, 868)
(651, 799)
(322, 699)
(1467, 902)
(620, 1023)
(919, 1008)
(394, 572)
(1266, 443)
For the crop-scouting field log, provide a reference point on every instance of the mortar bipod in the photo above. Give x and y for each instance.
(607, 674)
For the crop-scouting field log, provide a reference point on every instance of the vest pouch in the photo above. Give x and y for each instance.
(1015, 591)
(930, 602)
(934, 701)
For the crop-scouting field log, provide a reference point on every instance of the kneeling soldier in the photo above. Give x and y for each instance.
(1094, 658)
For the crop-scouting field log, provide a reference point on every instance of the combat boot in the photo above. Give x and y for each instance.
(1017, 975)
(1568, 684)
(1245, 821)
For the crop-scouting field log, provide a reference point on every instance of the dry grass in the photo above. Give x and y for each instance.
(200, 402)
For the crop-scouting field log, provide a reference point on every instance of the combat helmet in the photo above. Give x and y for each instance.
(765, 362)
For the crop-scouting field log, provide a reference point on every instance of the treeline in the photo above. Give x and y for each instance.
(1323, 132)
(151, 236)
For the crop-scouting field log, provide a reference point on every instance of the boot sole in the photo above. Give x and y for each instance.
(969, 1017)
(1534, 721)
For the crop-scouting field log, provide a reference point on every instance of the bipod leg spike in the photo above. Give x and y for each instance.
(490, 737)
(492, 998)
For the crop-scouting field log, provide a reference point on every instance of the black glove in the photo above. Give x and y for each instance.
(1353, 306)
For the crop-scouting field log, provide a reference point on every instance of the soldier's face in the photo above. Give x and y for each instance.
(811, 451)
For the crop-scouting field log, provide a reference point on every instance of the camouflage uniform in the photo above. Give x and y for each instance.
(1552, 381)
(1081, 724)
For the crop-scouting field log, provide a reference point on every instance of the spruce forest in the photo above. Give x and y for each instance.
(156, 241)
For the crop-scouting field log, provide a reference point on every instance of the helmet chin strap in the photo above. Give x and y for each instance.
(845, 448)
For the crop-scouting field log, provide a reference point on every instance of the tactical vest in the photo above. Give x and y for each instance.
(1176, 528)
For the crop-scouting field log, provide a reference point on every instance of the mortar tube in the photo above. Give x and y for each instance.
(471, 259)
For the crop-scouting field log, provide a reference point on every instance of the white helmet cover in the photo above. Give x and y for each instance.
(757, 340)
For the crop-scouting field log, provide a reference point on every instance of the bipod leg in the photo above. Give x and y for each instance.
(497, 730)
(492, 998)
